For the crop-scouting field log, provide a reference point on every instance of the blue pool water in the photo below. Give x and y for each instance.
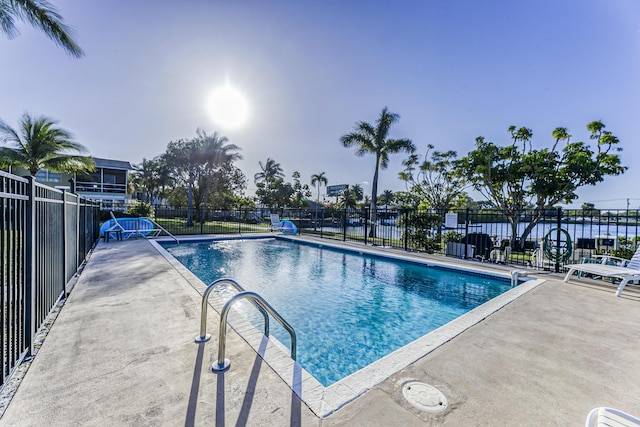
(347, 309)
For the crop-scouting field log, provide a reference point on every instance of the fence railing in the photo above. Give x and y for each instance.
(45, 235)
(536, 238)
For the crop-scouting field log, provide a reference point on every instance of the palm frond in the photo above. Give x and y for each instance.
(7, 22)
(44, 16)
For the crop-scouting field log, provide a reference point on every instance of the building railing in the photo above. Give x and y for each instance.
(45, 235)
(100, 187)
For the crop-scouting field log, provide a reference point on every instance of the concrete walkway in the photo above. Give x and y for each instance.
(122, 352)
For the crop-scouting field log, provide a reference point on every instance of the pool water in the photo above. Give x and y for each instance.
(348, 309)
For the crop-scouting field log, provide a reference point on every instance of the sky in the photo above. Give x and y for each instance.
(309, 70)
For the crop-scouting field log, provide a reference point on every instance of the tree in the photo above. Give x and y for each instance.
(387, 197)
(513, 179)
(272, 190)
(357, 191)
(269, 171)
(407, 199)
(318, 180)
(274, 193)
(301, 192)
(435, 179)
(196, 162)
(40, 144)
(42, 15)
(370, 139)
(347, 199)
(151, 178)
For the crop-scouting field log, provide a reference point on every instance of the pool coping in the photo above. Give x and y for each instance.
(324, 401)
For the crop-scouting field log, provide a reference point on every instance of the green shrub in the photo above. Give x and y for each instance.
(626, 247)
(451, 236)
(140, 209)
(421, 230)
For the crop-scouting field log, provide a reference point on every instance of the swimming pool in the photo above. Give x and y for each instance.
(348, 309)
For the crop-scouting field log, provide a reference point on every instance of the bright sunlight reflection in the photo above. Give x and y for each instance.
(228, 107)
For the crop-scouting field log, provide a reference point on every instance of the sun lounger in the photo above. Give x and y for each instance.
(124, 228)
(604, 417)
(626, 274)
(286, 227)
(275, 222)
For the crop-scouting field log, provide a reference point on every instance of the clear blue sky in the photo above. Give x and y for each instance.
(453, 70)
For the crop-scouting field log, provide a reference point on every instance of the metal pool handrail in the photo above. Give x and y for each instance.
(222, 363)
(515, 274)
(203, 337)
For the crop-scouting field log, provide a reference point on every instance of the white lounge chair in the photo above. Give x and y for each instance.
(275, 222)
(605, 417)
(285, 226)
(125, 228)
(116, 229)
(630, 270)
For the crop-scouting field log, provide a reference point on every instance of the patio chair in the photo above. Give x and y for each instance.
(125, 228)
(115, 228)
(275, 222)
(610, 417)
(628, 271)
(286, 227)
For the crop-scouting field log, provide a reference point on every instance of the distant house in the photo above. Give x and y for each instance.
(108, 184)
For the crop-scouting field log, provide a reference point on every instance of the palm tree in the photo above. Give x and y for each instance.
(270, 171)
(387, 197)
(318, 180)
(42, 15)
(374, 140)
(151, 177)
(357, 191)
(194, 161)
(215, 153)
(40, 144)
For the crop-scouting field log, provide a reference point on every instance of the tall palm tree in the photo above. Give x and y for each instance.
(194, 161)
(318, 180)
(269, 171)
(42, 15)
(372, 139)
(40, 144)
(215, 153)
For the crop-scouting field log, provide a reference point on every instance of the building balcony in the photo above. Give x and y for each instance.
(101, 187)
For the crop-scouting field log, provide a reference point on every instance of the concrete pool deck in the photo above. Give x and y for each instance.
(122, 352)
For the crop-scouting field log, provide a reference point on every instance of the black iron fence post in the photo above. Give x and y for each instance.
(64, 244)
(78, 249)
(366, 224)
(466, 233)
(406, 229)
(558, 225)
(30, 270)
(344, 225)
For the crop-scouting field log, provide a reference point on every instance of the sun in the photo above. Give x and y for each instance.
(228, 107)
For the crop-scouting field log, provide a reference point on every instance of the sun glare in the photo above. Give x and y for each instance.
(228, 107)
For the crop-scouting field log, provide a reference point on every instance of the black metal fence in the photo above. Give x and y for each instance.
(45, 235)
(535, 238)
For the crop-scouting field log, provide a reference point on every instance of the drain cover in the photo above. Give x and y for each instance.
(424, 396)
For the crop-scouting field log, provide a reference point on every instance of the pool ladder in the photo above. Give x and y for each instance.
(222, 364)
